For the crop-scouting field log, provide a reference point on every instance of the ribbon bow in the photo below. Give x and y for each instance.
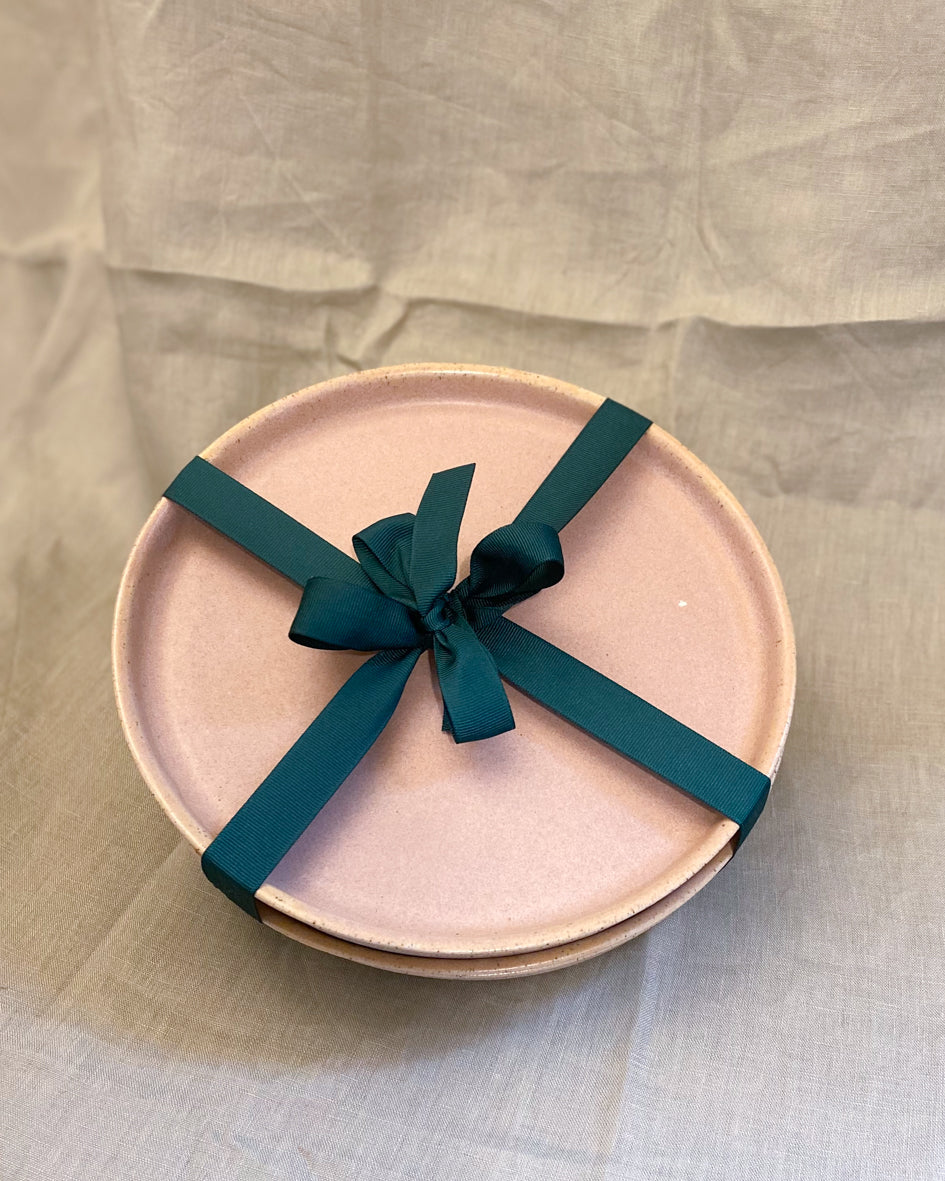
(397, 600)
(410, 562)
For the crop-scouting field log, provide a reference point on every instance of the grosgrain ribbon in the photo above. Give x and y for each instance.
(397, 600)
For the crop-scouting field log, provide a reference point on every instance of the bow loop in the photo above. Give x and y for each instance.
(384, 549)
(508, 566)
(335, 614)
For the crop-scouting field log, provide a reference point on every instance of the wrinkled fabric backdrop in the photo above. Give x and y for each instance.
(729, 215)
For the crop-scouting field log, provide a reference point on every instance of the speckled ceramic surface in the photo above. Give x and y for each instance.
(534, 839)
(530, 963)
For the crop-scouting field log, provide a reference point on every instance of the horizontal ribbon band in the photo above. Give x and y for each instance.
(397, 599)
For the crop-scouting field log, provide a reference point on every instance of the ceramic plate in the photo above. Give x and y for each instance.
(530, 963)
(534, 839)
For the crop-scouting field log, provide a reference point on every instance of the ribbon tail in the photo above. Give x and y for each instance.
(627, 723)
(435, 533)
(253, 843)
(475, 704)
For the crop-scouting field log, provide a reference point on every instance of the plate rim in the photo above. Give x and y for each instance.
(507, 967)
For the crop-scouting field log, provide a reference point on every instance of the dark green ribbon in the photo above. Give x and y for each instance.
(398, 600)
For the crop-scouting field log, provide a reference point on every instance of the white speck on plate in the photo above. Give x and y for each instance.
(683, 603)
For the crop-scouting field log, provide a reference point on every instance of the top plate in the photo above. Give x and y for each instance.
(537, 837)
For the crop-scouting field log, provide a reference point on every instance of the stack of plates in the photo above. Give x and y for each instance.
(517, 854)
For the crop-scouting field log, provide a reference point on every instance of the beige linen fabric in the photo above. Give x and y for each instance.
(729, 215)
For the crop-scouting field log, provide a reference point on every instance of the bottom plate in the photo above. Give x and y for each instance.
(507, 966)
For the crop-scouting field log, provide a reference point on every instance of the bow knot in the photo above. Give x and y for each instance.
(443, 613)
(407, 600)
